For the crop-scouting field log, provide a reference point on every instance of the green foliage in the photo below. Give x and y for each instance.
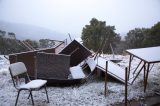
(33, 43)
(94, 34)
(134, 38)
(153, 36)
(1, 44)
(9, 44)
(2, 33)
(141, 37)
(46, 43)
(43, 43)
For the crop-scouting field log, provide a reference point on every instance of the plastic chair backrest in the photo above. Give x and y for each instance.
(17, 68)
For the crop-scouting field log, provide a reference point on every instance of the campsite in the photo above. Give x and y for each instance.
(79, 53)
(75, 91)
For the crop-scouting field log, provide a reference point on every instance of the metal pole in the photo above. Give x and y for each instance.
(137, 67)
(70, 36)
(126, 85)
(99, 49)
(137, 74)
(129, 69)
(105, 91)
(112, 51)
(146, 77)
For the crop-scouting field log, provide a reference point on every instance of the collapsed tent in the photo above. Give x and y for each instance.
(55, 68)
(58, 69)
(77, 52)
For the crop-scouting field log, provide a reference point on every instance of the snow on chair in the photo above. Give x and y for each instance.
(21, 80)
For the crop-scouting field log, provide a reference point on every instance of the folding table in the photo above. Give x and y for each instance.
(148, 56)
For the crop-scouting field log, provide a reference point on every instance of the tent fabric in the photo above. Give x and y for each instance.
(77, 72)
(149, 54)
(77, 52)
(91, 63)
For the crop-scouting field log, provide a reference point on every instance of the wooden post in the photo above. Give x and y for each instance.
(126, 85)
(105, 91)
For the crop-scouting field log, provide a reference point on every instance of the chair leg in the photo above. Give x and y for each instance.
(17, 97)
(31, 97)
(46, 93)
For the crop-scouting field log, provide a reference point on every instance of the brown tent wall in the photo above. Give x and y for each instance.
(29, 59)
(77, 52)
(55, 69)
(51, 65)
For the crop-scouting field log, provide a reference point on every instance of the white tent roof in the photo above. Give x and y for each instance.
(113, 69)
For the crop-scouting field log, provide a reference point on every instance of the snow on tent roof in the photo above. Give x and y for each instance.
(150, 54)
(113, 70)
(77, 72)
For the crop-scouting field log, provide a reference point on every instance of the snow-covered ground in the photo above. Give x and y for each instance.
(88, 94)
(4, 63)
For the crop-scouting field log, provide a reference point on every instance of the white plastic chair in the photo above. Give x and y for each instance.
(22, 81)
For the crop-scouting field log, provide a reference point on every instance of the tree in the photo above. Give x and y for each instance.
(97, 32)
(32, 43)
(153, 36)
(8, 44)
(2, 33)
(11, 35)
(46, 43)
(2, 42)
(135, 37)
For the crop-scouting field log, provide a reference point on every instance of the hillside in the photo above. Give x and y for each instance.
(24, 31)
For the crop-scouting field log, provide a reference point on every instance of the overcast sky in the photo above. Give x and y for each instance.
(70, 16)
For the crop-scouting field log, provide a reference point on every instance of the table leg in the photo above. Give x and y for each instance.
(146, 78)
(126, 86)
(144, 75)
(129, 68)
(137, 67)
(137, 74)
